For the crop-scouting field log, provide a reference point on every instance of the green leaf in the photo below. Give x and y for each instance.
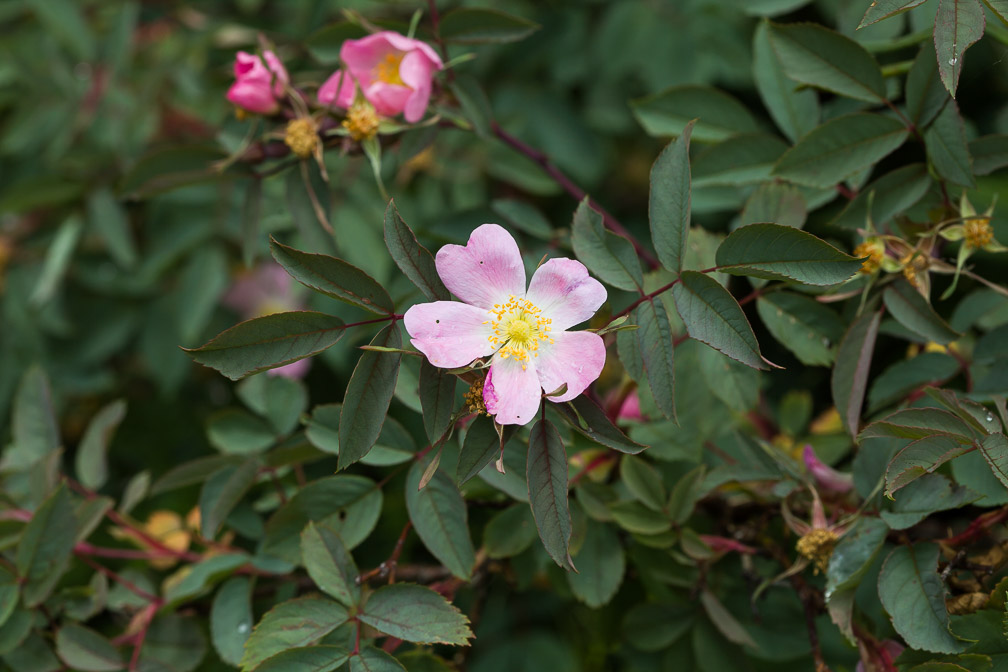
(475, 106)
(440, 518)
(723, 620)
(890, 195)
(906, 375)
(914, 595)
(850, 375)
(601, 565)
(34, 433)
(231, 619)
(958, 25)
(90, 461)
(170, 167)
(994, 449)
(917, 423)
(945, 140)
(481, 445)
(990, 153)
(437, 397)
(609, 256)
(279, 399)
(718, 115)
(793, 109)
(643, 481)
(737, 385)
(329, 564)
(221, 493)
(686, 493)
(508, 533)
(924, 496)
(371, 659)
(10, 593)
(634, 517)
(57, 261)
(65, 20)
(325, 44)
(546, 473)
(740, 160)
(775, 202)
(804, 326)
(483, 26)
(854, 554)
(925, 93)
(203, 576)
(411, 257)
(14, 632)
(109, 219)
(779, 252)
(250, 220)
(334, 277)
(837, 149)
(587, 418)
(914, 312)
(819, 57)
(46, 546)
(651, 626)
(319, 658)
(85, 650)
(368, 397)
(238, 432)
(524, 216)
(1000, 9)
(416, 614)
(713, 316)
(268, 342)
(669, 201)
(921, 457)
(883, 9)
(657, 351)
(291, 624)
(173, 642)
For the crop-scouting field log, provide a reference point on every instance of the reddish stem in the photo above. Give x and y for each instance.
(129, 585)
(978, 527)
(594, 463)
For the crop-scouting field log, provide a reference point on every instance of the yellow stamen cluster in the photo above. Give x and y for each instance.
(978, 232)
(818, 546)
(913, 265)
(875, 251)
(387, 69)
(518, 327)
(361, 121)
(474, 398)
(302, 137)
(241, 114)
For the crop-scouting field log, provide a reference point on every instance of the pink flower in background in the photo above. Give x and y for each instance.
(394, 74)
(826, 476)
(524, 331)
(265, 290)
(258, 88)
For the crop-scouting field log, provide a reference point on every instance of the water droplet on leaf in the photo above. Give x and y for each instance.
(990, 418)
(243, 628)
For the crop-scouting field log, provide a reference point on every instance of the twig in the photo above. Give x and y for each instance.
(129, 585)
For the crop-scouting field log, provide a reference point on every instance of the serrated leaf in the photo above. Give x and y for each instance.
(779, 252)
(333, 277)
(371, 659)
(319, 658)
(793, 109)
(804, 326)
(416, 614)
(945, 140)
(90, 461)
(819, 57)
(854, 554)
(437, 398)
(914, 595)
(669, 201)
(329, 564)
(587, 418)
(667, 113)
(609, 256)
(546, 472)
(291, 624)
(601, 564)
(924, 496)
(914, 312)
(470, 25)
(440, 519)
(368, 396)
(850, 374)
(775, 202)
(46, 545)
(221, 493)
(994, 449)
(917, 423)
(85, 650)
(655, 340)
(837, 149)
(412, 258)
(921, 457)
(268, 342)
(231, 618)
(883, 9)
(958, 25)
(712, 315)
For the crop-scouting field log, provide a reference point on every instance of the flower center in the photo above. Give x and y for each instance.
(518, 327)
(387, 69)
(302, 137)
(818, 547)
(361, 121)
(978, 232)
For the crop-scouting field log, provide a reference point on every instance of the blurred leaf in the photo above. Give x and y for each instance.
(221, 493)
(524, 216)
(57, 260)
(268, 342)
(850, 375)
(291, 624)
(994, 449)
(804, 326)
(165, 169)
(334, 277)
(238, 432)
(854, 554)
(775, 202)
(14, 632)
(917, 423)
(90, 460)
(713, 316)
(601, 564)
(231, 619)
(108, 218)
(325, 43)
(587, 418)
(34, 433)
(890, 195)
(668, 113)
(643, 481)
(793, 109)
(63, 18)
(687, 492)
(742, 159)
(440, 518)
(195, 471)
(819, 57)
(609, 256)
(669, 201)
(317, 658)
(38, 191)
(921, 457)
(329, 564)
(506, 534)
(250, 216)
(411, 257)
(46, 546)
(958, 25)
(723, 620)
(945, 140)
(651, 626)
(10, 592)
(547, 488)
(883, 9)
(202, 576)
(839, 148)
(371, 659)
(85, 650)
(782, 253)
(1000, 9)
(904, 376)
(437, 396)
(655, 340)
(368, 397)
(990, 153)
(914, 595)
(470, 25)
(925, 93)
(173, 643)
(416, 614)
(636, 518)
(914, 312)
(924, 496)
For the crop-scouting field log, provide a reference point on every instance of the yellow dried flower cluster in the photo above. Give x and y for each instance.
(818, 546)
(361, 121)
(875, 251)
(978, 232)
(474, 398)
(302, 137)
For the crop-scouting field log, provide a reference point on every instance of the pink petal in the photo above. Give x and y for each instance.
(363, 54)
(451, 334)
(276, 66)
(388, 99)
(416, 72)
(826, 477)
(249, 66)
(338, 90)
(486, 271)
(254, 96)
(630, 410)
(511, 393)
(296, 370)
(566, 294)
(575, 358)
(403, 43)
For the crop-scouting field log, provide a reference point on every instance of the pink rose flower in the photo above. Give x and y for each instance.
(394, 74)
(258, 88)
(525, 332)
(826, 476)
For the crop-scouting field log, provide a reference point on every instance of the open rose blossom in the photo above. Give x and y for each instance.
(394, 74)
(524, 331)
(258, 88)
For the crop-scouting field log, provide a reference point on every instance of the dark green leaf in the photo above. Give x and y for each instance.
(65, 20)
(775, 202)
(231, 619)
(588, 418)
(924, 496)
(85, 650)
(601, 565)
(508, 533)
(652, 626)
(437, 397)
(440, 518)
(994, 449)
(416, 614)
(609, 256)
(10, 592)
(803, 325)
(292, 624)
(325, 44)
(319, 658)
(221, 493)
(958, 25)
(174, 643)
(46, 545)
(90, 461)
(475, 105)
(666, 114)
(917, 423)
(723, 620)
(109, 219)
(547, 486)
(657, 351)
(371, 659)
(524, 216)
(850, 375)
(251, 211)
(203, 576)
(368, 397)
(170, 167)
(643, 481)
(854, 554)
(890, 195)
(470, 25)
(740, 160)
(686, 493)
(945, 140)
(921, 457)
(782, 253)
(411, 257)
(481, 445)
(634, 517)
(819, 57)
(34, 433)
(990, 153)
(925, 93)
(914, 312)
(238, 432)
(669, 201)
(883, 9)
(906, 375)
(329, 564)
(793, 109)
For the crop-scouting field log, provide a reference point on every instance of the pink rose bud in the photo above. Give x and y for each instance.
(394, 73)
(826, 477)
(258, 88)
(630, 409)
